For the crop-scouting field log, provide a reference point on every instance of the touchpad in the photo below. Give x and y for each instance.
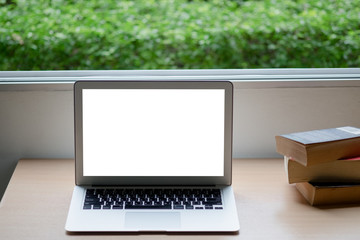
(152, 220)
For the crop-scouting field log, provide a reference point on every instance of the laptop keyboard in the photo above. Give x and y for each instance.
(186, 199)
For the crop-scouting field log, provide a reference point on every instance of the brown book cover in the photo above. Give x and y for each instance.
(329, 193)
(319, 146)
(346, 170)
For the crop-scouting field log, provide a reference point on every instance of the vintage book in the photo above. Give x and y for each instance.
(329, 193)
(345, 170)
(319, 146)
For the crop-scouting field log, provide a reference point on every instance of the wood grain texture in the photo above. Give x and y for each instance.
(36, 203)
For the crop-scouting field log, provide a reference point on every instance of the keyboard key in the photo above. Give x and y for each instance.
(117, 207)
(212, 201)
(178, 207)
(92, 200)
(167, 206)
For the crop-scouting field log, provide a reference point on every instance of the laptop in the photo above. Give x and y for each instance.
(153, 156)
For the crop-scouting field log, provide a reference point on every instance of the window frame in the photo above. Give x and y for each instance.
(242, 78)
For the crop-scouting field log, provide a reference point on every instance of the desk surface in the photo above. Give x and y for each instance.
(36, 203)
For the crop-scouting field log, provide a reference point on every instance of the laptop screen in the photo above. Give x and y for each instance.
(153, 132)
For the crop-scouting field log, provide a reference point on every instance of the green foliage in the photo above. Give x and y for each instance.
(168, 34)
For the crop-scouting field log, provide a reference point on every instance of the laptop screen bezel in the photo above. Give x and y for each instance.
(80, 179)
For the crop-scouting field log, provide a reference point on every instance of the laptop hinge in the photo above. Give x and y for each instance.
(152, 186)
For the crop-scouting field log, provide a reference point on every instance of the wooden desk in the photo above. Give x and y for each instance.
(36, 203)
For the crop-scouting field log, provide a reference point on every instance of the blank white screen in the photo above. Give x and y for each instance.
(153, 132)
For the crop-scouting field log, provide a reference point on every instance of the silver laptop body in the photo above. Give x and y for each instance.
(158, 137)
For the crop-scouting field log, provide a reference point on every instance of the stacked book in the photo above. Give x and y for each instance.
(324, 164)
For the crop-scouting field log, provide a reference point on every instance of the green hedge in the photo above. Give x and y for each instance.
(165, 34)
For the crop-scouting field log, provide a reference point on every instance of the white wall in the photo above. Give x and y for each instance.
(34, 125)
(260, 114)
(38, 122)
